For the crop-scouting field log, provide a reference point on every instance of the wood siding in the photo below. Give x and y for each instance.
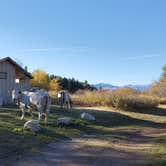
(7, 85)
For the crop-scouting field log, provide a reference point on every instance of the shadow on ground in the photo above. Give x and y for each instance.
(107, 118)
(109, 125)
(159, 111)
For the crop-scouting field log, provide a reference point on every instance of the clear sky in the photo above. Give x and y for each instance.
(112, 41)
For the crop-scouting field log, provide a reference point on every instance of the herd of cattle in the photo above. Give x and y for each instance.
(39, 100)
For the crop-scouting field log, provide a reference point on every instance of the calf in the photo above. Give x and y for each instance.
(64, 99)
(38, 100)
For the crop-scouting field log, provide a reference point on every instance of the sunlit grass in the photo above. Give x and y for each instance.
(111, 125)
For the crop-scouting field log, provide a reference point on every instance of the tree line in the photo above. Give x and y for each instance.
(52, 82)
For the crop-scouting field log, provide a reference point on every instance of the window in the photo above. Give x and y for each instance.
(3, 75)
(17, 81)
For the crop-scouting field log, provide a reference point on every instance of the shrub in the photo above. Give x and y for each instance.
(122, 98)
(162, 100)
(137, 101)
(91, 98)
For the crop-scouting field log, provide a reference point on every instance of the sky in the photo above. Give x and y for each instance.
(112, 41)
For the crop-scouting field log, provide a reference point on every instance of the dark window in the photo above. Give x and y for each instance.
(3, 75)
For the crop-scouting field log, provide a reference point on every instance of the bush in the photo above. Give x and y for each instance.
(122, 98)
(90, 98)
(137, 101)
(162, 100)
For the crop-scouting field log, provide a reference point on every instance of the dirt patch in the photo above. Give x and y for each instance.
(80, 152)
(96, 150)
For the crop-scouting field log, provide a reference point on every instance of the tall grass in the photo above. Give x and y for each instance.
(91, 98)
(124, 98)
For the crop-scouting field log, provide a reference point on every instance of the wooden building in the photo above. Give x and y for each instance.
(12, 76)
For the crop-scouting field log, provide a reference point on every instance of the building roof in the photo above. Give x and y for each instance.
(8, 59)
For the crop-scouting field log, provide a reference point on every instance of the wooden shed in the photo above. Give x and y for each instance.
(12, 76)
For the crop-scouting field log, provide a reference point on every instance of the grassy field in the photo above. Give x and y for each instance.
(111, 125)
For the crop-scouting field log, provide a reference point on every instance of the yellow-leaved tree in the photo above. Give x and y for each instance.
(159, 88)
(54, 85)
(40, 79)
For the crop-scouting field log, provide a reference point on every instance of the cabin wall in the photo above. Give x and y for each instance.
(8, 84)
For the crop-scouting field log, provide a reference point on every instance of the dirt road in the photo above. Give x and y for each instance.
(96, 151)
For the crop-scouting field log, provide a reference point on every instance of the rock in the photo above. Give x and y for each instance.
(87, 116)
(64, 121)
(32, 125)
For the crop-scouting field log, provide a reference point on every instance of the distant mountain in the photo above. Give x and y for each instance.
(138, 87)
(109, 86)
(105, 86)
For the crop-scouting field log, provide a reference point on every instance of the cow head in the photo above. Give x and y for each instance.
(16, 96)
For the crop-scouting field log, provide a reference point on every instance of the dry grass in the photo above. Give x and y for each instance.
(124, 98)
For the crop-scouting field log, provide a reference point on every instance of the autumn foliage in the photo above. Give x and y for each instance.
(40, 79)
(55, 83)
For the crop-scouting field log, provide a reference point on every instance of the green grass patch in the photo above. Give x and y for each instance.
(15, 142)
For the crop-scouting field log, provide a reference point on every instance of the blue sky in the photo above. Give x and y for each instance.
(113, 41)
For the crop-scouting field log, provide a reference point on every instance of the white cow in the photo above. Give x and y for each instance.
(38, 100)
(64, 99)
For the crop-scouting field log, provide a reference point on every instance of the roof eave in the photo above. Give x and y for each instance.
(17, 65)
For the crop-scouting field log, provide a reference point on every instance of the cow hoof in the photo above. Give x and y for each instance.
(21, 118)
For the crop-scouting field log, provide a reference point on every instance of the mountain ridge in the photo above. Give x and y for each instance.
(110, 86)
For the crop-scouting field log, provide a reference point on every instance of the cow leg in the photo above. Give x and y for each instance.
(39, 115)
(30, 110)
(47, 111)
(68, 104)
(61, 103)
(22, 107)
(23, 114)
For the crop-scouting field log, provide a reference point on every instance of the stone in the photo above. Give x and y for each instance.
(87, 116)
(64, 121)
(32, 125)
